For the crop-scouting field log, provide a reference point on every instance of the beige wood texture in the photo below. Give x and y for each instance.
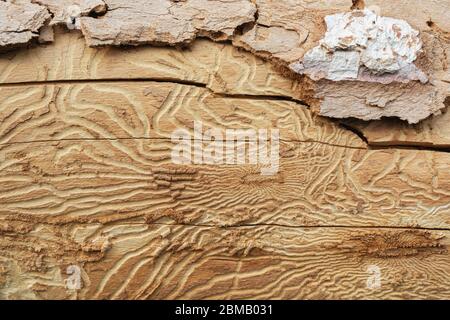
(148, 109)
(220, 67)
(159, 261)
(86, 179)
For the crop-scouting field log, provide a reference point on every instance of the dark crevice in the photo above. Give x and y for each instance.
(245, 27)
(357, 5)
(396, 145)
(409, 147)
(96, 13)
(261, 97)
(111, 80)
(161, 80)
(355, 131)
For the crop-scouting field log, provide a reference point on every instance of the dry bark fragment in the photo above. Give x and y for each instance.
(68, 11)
(412, 102)
(307, 20)
(433, 131)
(285, 30)
(166, 22)
(20, 22)
(361, 45)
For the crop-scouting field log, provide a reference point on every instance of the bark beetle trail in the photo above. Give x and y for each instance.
(357, 132)
(262, 36)
(88, 182)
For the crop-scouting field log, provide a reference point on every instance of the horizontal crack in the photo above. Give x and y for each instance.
(261, 97)
(167, 139)
(110, 80)
(424, 146)
(176, 81)
(123, 220)
(269, 97)
(301, 103)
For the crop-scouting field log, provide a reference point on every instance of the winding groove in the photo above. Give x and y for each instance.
(86, 178)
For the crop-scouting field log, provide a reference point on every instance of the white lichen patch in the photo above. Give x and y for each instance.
(360, 45)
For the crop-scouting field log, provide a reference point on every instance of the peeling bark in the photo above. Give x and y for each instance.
(346, 98)
(68, 12)
(362, 46)
(412, 102)
(291, 34)
(166, 22)
(20, 22)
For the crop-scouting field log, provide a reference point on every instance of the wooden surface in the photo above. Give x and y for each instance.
(221, 67)
(87, 180)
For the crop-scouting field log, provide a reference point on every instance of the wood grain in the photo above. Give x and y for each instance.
(142, 109)
(221, 67)
(316, 185)
(159, 261)
(86, 179)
